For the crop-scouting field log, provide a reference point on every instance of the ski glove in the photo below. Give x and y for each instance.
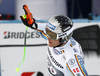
(29, 20)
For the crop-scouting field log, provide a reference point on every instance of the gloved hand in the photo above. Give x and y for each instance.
(29, 21)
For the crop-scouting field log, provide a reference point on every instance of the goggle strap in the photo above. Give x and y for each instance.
(67, 32)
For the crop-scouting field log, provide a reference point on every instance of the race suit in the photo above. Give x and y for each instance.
(67, 60)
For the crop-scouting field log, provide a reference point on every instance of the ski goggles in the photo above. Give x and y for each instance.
(51, 34)
(55, 36)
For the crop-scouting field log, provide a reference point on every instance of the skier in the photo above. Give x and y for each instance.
(64, 55)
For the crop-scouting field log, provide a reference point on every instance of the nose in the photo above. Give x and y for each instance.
(49, 39)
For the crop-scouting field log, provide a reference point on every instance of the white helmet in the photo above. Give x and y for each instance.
(59, 27)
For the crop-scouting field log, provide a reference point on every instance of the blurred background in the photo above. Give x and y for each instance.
(44, 9)
(84, 13)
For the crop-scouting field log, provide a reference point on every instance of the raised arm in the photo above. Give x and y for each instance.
(29, 21)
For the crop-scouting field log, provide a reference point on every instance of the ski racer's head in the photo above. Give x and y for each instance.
(59, 29)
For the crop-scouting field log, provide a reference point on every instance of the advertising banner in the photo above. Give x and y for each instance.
(12, 51)
(34, 63)
(14, 34)
(30, 59)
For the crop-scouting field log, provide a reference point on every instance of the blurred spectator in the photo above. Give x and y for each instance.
(6, 17)
(0, 17)
(90, 16)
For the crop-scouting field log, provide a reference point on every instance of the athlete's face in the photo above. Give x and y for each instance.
(53, 43)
